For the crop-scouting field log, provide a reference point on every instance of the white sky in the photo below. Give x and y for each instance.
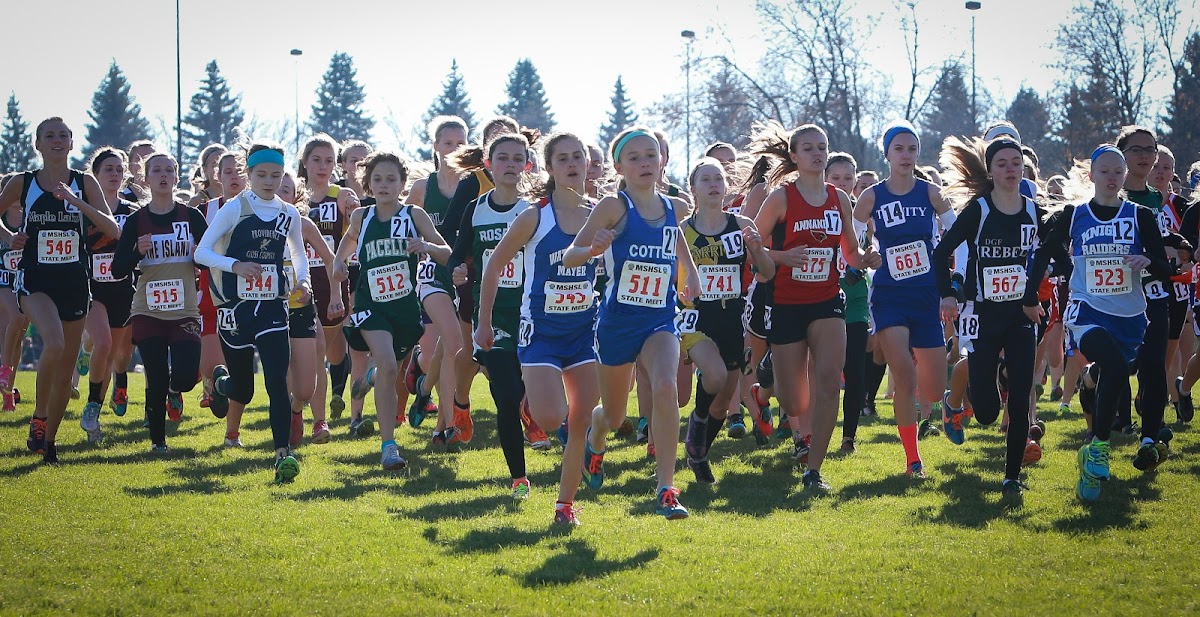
(403, 50)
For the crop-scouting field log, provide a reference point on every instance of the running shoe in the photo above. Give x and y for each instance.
(421, 404)
(643, 430)
(360, 387)
(1147, 455)
(337, 405)
(593, 465)
(800, 448)
(968, 413)
(7, 374)
(952, 421)
(563, 434)
(1033, 453)
(90, 422)
(296, 437)
(1186, 410)
(321, 433)
(233, 441)
(537, 438)
(412, 371)
(51, 453)
(205, 400)
(1088, 487)
(391, 459)
(694, 441)
(521, 488)
(219, 405)
(452, 439)
(36, 442)
(737, 426)
(668, 504)
(16, 395)
(83, 362)
(286, 468)
(1012, 488)
(565, 514)
(362, 427)
(916, 469)
(784, 429)
(10, 403)
(120, 402)
(927, 428)
(75, 393)
(463, 424)
(626, 429)
(812, 481)
(1037, 431)
(1056, 394)
(761, 428)
(702, 469)
(174, 406)
(1094, 458)
(159, 448)
(848, 446)
(651, 453)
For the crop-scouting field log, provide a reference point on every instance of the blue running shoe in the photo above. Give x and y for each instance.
(668, 504)
(391, 459)
(360, 387)
(737, 426)
(643, 430)
(593, 465)
(421, 404)
(1094, 458)
(916, 469)
(562, 433)
(83, 362)
(952, 424)
(1088, 487)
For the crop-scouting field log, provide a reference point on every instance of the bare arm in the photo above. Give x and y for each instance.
(511, 243)
(596, 235)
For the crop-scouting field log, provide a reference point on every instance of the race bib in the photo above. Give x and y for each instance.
(572, 297)
(524, 333)
(1004, 283)
(1155, 290)
(1108, 276)
(1183, 292)
(908, 260)
(892, 214)
(686, 320)
(102, 268)
(425, 270)
(12, 260)
(816, 268)
(225, 320)
(166, 295)
(643, 284)
(389, 282)
(265, 287)
(58, 247)
(511, 275)
(314, 260)
(720, 282)
(968, 325)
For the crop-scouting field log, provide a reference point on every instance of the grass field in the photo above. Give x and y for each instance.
(115, 530)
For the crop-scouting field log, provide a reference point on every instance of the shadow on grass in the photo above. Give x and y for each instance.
(1116, 508)
(967, 504)
(495, 540)
(201, 477)
(458, 509)
(577, 562)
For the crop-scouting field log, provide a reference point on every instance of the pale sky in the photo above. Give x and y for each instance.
(403, 50)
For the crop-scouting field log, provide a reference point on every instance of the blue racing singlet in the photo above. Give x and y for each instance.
(642, 265)
(904, 227)
(1101, 277)
(559, 301)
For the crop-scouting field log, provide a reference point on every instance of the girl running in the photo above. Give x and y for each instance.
(232, 171)
(389, 239)
(159, 238)
(15, 322)
(805, 220)
(638, 233)
(244, 249)
(904, 296)
(1111, 241)
(52, 276)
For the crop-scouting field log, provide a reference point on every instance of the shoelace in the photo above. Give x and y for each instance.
(670, 497)
(595, 463)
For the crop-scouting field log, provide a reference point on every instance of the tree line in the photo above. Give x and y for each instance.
(815, 71)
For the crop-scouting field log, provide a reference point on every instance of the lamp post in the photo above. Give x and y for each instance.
(296, 53)
(973, 6)
(178, 91)
(688, 36)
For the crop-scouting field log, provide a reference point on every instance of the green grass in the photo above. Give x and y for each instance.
(115, 530)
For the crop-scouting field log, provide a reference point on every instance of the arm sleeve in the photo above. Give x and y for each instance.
(126, 255)
(1052, 244)
(222, 225)
(464, 243)
(295, 241)
(952, 240)
(465, 195)
(1152, 243)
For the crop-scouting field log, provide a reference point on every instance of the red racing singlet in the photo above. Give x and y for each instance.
(819, 227)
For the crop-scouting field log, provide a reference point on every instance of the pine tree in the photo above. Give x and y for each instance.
(620, 118)
(338, 110)
(1030, 114)
(453, 101)
(116, 120)
(1183, 109)
(16, 146)
(213, 114)
(527, 102)
(949, 112)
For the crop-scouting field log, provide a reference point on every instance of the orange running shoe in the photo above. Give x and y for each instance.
(537, 438)
(464, 423)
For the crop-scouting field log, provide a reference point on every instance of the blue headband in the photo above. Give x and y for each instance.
(1106, 148)
(264, 156)
(898, 130)
(624, 140)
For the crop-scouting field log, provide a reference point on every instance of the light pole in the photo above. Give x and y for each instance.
(296, 53)
(689, 36)
(973, 6)
(178, 91)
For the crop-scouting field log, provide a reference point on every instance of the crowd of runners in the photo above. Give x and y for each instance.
(575, 276)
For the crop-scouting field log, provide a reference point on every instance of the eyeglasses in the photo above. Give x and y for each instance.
(1140, 150)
